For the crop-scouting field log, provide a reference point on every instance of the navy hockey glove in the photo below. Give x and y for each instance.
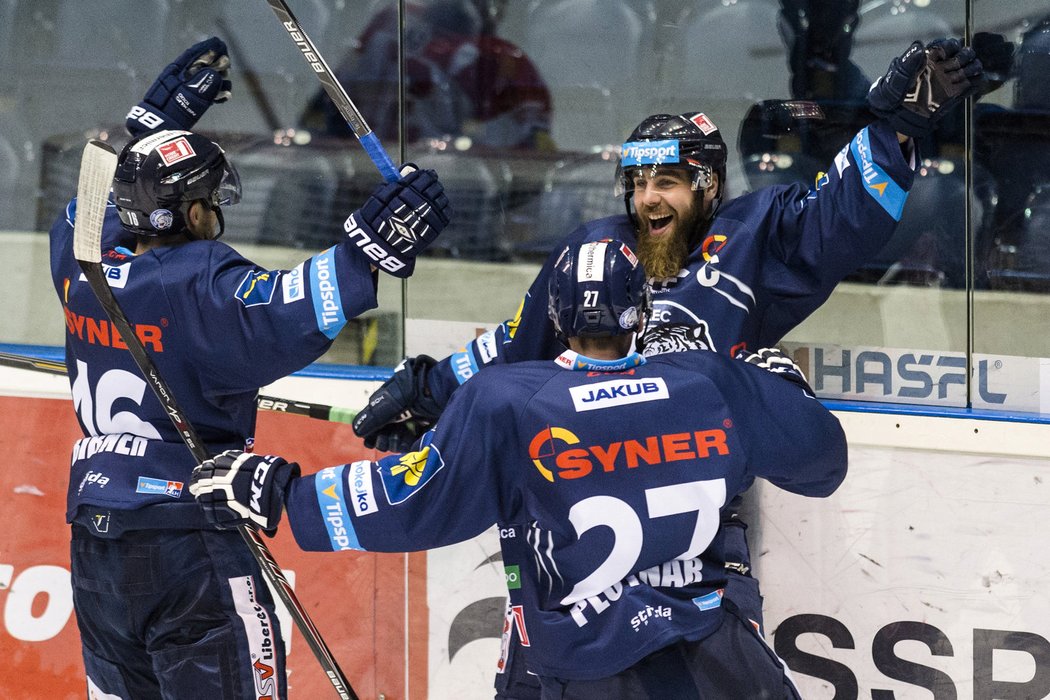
(922, 84)
(775, 361)
(236, 487)
(184, 89)
(996, 55)
(401, 410)
(400, 220)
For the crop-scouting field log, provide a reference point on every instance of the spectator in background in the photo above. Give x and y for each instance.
(792, 141)
(461, 80)
(819, 39)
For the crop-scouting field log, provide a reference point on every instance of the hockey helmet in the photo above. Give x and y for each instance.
(597, 289)
(161, 173)
(1032, 63)
(819, 39)
(690, 141)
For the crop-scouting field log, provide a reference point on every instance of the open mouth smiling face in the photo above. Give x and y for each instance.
(663, 198)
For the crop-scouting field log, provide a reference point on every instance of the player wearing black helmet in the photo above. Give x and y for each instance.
(614, 468)
(672, 174)
(162, 178)
(590, 296)
(167, 605)
(690, 142)
(725, 274)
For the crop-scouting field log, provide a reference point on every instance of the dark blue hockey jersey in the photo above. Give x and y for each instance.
(218, 328)
(769, 259)
(616, 479)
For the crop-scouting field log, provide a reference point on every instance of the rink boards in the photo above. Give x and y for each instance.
(925, 573)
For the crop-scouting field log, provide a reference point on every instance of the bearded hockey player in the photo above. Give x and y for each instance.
(615, 467)
(167, 605)
(725, 275)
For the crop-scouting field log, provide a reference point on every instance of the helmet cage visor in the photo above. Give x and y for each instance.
(701, 176)
(201, 184)
(639, 157)
(159, 175)
(229, 190)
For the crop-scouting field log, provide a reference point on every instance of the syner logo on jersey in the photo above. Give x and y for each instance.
(617, 392)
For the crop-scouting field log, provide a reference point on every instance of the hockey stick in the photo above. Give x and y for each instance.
(97, 167)
(334, 414)
(37, 364)
(335, 91)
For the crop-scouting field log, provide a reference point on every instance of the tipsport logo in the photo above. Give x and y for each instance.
(149, 485)
(649, 152)
(877, 182)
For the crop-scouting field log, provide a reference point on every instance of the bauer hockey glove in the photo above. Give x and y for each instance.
(923, 83)
(401, 410)
(184, 89)
(235, 488)
(775, 361)
(400, 220)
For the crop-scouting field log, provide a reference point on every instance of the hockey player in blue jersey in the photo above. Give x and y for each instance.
(614, 467)
(727, 274)
(167, 605)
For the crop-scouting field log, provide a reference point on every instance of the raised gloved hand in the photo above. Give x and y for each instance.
(923, 83)
(401, 410)
(996, 55)
(400, 220)
(184, 89)
(777, 362)
(237, 487)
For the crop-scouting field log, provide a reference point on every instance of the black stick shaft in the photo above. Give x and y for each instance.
(335, 90)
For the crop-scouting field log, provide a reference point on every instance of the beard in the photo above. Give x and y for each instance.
(664, 256)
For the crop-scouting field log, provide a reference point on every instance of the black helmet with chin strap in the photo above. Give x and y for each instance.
(690, 141)
(161, 173)
(1033, 59)
(597, 289)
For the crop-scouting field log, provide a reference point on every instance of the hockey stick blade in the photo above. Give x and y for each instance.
(320, 411)
(97, 168)
(335, 90)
